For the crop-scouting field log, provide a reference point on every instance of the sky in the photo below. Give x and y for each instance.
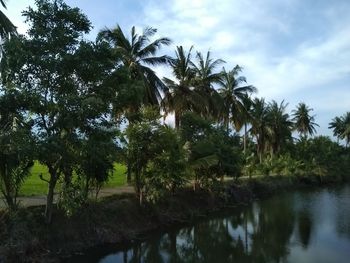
(292, 50)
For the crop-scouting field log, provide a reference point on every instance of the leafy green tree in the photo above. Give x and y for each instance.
(212, 151)
(157, 158)
(167, 171)
(322, 156)
(63, 78)
(16, 147)
(233, 95)
(304, 122)
(98, 154)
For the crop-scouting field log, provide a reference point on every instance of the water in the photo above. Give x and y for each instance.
(304, 226)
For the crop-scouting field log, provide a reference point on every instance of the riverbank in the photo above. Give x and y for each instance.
(120, 219)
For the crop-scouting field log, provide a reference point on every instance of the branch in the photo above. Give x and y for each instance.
(42, 178)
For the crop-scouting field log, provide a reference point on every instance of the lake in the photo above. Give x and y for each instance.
(301, 226)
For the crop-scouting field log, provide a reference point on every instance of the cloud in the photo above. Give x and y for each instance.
(294, 50)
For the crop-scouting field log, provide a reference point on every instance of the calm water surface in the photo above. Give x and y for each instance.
(304, 226)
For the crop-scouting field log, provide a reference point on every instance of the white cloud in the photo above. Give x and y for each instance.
(281, 53)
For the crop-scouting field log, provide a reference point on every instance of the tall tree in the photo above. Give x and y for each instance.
(6, 26)
(233, 94)
(206, 77)
(279, 126)
(247, 103)
(62, 77)
(259, 125)
(137, 53)
(181, 96)
(17, 148)
(341, 127)
(304, 123)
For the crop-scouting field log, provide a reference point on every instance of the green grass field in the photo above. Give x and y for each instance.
(35, 186)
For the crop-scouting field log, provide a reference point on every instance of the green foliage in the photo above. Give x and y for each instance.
(341, 127)
(167, 170)
(68, 95)
(304, 123)
(98, 153)
(322, 156)
(233, 95)
(16, 149)
(157, 158)
(212, 151)
(135, 54)
(63, 99)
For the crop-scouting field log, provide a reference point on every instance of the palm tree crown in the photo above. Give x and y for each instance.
(233, 95)
(6, 26)
(181, 96)
(279, 126)
(304, 123)
(206, 77)
(341, 127)
(137, 53)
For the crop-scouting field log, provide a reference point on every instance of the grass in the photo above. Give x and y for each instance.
(33, 185)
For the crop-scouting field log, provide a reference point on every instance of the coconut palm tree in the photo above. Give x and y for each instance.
(6, 26)
(206, 77)
(338, 127)
(304, 123)
(181, 96)
(233, 94)
(346, 133)
(341, 127)
(279, 126)
(137, 53)
(259, 125)
(247, 103)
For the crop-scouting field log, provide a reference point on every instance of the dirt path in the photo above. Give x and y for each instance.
(41, 200)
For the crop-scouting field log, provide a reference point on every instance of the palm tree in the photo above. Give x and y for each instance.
(181, 96)
(233, 95)
(247, 117)
(205, 78)
(346, 133)
(137, 53)
(6, 26)
(341, 127)
(304, 123)
(259, 125)
(337, 125)
(279, 126)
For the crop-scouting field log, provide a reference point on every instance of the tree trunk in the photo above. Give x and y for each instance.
(128, 172)
(10, 202)
(245, 139)
(50, 194)
(177, 120)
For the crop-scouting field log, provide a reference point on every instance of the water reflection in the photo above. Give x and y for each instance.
(298, 227)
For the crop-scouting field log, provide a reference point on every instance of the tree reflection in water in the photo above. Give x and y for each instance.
(258, 233)
(286, 228)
